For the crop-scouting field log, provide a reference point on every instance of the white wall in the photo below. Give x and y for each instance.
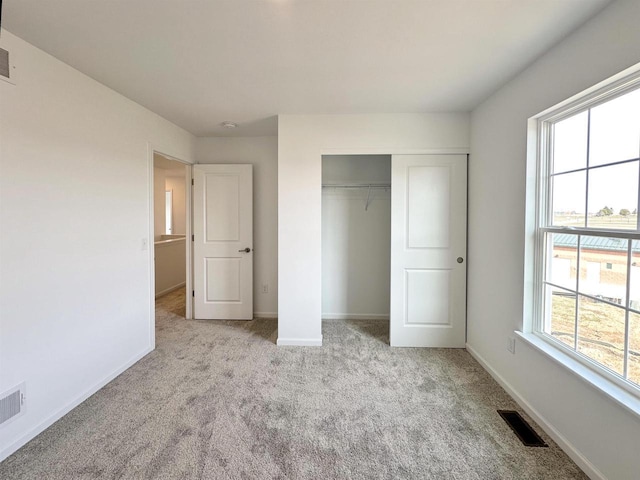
(356, 243)
(75, 287)
(159, 198)
(170, 262)
(594, 426)
(169, 175)
(356, 168)
(177, 185)
(262, 153)
(302, 140)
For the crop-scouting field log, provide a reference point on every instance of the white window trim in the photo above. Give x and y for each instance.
(537, 141)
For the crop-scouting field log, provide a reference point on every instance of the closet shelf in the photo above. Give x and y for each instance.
(368, 186)
(356, 185)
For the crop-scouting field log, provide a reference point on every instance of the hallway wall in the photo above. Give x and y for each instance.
(262, 153)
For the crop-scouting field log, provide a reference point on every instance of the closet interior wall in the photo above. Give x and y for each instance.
(356, 236)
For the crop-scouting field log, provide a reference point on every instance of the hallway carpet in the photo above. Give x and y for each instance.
(219, 400)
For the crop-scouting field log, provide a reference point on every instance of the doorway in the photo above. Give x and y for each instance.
(171, 226)
(356, 240)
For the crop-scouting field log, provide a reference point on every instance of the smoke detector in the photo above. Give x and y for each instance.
(229, 125)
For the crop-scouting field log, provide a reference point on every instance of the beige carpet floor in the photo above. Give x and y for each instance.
(219, 400)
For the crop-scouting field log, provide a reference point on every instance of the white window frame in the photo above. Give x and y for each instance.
(538, 223)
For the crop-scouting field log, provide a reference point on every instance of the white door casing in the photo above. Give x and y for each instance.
(428, 239)
(223, 231)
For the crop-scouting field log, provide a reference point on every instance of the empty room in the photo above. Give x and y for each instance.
(297, 239)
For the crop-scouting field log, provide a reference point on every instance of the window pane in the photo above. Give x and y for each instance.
(570, 143)
(568, 194)
(168, 206)
(601, 333)
(634, 296)
(561, 268)
(613, 196)
(562, 314)
(615, 130)
(603, 268)
(633, 368)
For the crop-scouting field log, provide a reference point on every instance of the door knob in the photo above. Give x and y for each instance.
(460, 260)
(245, 250)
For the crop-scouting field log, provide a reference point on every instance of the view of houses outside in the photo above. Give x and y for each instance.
(601, 284)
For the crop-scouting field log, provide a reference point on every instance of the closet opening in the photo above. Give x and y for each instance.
(356, 244)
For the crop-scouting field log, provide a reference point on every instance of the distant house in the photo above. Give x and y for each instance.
(603, 266)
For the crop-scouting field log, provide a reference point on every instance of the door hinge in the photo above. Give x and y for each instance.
(192, 181)
(193, 238)
(193, 293)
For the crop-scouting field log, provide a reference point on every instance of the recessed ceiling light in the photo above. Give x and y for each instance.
(229, 124)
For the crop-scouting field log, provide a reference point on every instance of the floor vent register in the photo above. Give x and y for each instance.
(522, 429)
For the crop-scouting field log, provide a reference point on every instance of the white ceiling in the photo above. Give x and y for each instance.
(200, 62)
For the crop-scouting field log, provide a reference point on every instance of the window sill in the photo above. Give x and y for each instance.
(616, 393)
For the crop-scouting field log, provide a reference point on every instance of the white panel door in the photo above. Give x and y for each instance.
(223, 242)
(428, 249)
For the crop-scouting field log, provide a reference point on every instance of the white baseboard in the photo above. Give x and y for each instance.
(170, 289)
(575, 455)
(300, 342)
(355, 316)
(265, 314)
(31, 434)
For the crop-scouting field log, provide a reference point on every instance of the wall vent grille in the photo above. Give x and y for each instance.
(4, 64)
(12, 403)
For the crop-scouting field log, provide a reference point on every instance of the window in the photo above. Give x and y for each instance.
(587, 235)
(168, 211)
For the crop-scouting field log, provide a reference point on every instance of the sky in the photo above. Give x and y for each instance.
(614, 135)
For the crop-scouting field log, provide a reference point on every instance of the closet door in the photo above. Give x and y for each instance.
(428, 249)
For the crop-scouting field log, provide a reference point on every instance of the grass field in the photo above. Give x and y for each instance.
(628, 222)
(600, 332)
